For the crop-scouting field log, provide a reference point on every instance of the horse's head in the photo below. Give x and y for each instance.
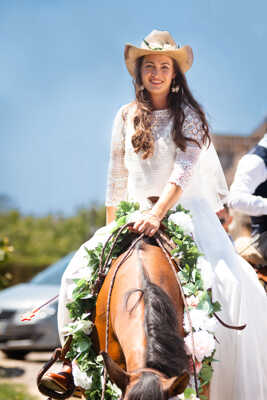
(146, 383)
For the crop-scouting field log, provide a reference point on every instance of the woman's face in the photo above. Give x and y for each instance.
(157, 73)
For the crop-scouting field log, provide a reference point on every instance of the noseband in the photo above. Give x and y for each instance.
(153, 371)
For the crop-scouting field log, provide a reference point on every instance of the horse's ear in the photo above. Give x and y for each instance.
(115, 372)
(176, 385)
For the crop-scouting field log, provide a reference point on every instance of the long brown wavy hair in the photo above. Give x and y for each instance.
(142, 139)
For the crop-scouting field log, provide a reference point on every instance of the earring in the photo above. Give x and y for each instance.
(174, 89)
(141, 87)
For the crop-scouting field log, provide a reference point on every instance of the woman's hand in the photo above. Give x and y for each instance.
(148, 223)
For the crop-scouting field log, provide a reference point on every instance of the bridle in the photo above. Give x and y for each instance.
(163, 241)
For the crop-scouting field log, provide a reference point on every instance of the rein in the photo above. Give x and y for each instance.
(169, 258)
(126, 255)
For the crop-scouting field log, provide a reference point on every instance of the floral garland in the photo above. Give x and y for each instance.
(196, 277)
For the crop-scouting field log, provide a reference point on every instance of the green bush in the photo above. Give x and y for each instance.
(40, 241)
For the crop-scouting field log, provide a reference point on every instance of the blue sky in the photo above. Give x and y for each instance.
(62, 79)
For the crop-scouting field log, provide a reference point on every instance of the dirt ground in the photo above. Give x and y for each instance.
(24, 371)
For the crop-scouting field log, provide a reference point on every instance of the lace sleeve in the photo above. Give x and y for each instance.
(117, 172)
(186, 160)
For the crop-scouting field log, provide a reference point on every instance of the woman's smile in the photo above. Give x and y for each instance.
(157, 72)
(155, 81)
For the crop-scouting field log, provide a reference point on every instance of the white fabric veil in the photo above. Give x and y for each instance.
(208, 181)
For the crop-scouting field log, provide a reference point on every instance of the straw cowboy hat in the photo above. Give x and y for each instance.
(158, 42)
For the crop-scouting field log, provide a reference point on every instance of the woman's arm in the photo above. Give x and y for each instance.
(110, 214)
(117, 173)
(167, 200)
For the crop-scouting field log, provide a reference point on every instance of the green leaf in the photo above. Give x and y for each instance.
(189, 392)
(205, 373)
(205, 303)
(216, 306)
(189, 289)
(121, 221)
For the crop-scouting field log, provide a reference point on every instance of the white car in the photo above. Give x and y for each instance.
(40, 334)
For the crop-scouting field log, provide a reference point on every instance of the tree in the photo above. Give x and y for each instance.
(5, 250)
(40, 241)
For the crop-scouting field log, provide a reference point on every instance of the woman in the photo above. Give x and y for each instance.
(160, 148)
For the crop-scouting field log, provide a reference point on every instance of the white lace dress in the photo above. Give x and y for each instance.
(241, 371)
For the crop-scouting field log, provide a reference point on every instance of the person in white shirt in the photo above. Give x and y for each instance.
(248, 194)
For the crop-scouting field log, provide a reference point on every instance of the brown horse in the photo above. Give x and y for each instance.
(146, 356)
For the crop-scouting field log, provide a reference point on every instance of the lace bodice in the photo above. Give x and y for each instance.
(132, 178)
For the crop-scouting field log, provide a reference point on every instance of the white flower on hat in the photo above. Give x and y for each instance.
(200, 320)
(168, 46)
(206, 271)
(204, 344)
(184, 221)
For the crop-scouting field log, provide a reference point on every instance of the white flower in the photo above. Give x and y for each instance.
(204, 344)
(200, 320)
(83, 325)
(206, 272)
(116, 391)
(193, 301)
(81, 378)
(184, 221)
(99, 359)
(168, 46)
(155, 45)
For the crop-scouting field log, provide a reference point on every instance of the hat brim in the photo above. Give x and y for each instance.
(183, 56)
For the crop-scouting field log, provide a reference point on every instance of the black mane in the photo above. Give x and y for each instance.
(165, 350)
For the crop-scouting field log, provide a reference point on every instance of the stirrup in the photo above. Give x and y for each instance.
(58, 354)
(50, 383)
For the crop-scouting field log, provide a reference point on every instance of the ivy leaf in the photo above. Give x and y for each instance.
(216, 307)
(124, 208)
(205, 303)
(189, 289)
(83, 344)
(189, 392)
(179, 242)
(205, 374)
(121, 221)
(75, 309)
